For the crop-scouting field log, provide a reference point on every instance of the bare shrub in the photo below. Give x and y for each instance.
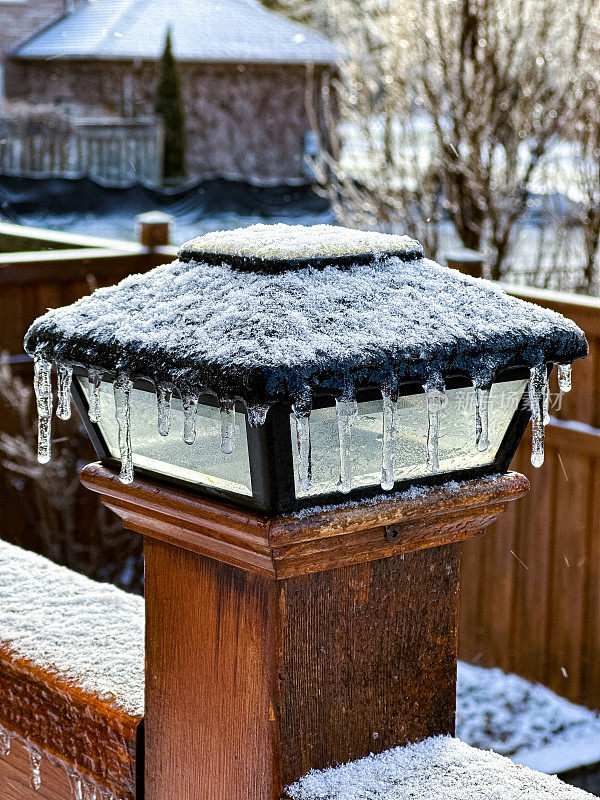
(62, 520)
(481, 87)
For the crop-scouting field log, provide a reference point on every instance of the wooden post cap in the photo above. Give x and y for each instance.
(469, 262)
(153, 229)
(315, 538)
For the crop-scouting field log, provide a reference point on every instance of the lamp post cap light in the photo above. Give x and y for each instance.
(276, 314)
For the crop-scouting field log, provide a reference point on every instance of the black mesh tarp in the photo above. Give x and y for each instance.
(22, 199)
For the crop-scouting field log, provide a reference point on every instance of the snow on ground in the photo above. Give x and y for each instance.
(524, 720)
(441, 767)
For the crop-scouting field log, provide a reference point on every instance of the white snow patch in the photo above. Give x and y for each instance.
(523, 720)
(89, 634)
(441, 767)
(282, 241)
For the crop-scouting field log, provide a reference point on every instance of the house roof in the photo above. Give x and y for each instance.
(203, 30)
(209, 321)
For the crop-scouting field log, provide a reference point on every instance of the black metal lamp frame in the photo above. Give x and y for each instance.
(271, 455)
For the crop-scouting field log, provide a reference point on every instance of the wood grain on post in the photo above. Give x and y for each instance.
(274, 646)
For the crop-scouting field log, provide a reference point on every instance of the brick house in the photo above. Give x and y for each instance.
(243, 69)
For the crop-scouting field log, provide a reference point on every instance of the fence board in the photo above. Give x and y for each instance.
(567, 576)
(536, 611)
(31, 283)
(590, 656)
(528, 645)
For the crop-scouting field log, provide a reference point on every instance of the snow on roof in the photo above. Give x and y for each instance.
(524, 720)
(202, 30)
(210, 327)
(441, 767)
(89, 634)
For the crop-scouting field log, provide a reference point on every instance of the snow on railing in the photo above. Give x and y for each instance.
(71, 676)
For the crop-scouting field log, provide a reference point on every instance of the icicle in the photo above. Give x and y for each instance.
(190, 405)
(257, 415)
(122, 389)
(76, 786)
(65, 376)
(227, 427)
(42, 384)
(95, 379)
(482, 402)
(536, 399)
(346, 410)
(436, 401)
(163, 399)
(390, 435)
(302, 411)
(81, 789)
(564, 377)
(546, 399)
(35, 759)
(4, 742)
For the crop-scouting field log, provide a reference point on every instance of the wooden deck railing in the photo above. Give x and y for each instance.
(71, 683)
(118, 151)
(530, 600)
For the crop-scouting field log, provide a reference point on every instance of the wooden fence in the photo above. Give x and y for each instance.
(530, 600)
(30, 283)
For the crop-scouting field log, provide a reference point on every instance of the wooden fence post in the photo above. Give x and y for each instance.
(274, 646)
(469, 262)
(153, 229)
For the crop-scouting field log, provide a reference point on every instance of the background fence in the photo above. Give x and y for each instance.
(116, 152)
(530, 600)
(48, 511)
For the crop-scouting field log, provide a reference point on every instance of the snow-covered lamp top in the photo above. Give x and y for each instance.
(276, 313)
(207, 322)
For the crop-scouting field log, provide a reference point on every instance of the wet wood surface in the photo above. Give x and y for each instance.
(310, 541)
(252, 682)
(368, 658)
(16, 777)
(277, 645)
